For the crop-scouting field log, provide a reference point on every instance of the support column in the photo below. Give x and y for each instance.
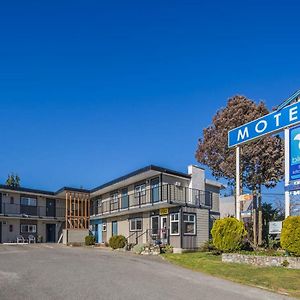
(287, 170)
(237, 184)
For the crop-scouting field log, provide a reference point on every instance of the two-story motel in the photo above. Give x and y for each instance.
(150, 205)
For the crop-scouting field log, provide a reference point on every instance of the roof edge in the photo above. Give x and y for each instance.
(140, 171)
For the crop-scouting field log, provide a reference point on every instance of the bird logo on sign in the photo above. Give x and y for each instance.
(297, 138)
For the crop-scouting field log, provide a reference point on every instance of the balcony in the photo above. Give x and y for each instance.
(161, 194)
(28, 211)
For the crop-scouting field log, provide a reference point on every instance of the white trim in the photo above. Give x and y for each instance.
(189, 221)
(135, 221)
(175, 221)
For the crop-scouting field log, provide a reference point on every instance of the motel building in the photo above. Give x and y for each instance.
(152, 205)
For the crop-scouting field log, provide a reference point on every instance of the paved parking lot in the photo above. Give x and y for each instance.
(57, 272)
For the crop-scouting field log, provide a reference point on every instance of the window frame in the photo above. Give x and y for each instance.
(27, 231)
(104, 226)
(175, 221)
(135, 220)
(189, 221)
(29, 199)
(140, 193)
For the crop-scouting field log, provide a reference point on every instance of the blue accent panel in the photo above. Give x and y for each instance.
(295, 153)
(97, 233)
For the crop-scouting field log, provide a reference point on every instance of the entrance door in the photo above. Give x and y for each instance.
(164, 229)
(0, 232)
(50, 233)
(154, 190)
(50, 208)
(124, 198)
(114, 228)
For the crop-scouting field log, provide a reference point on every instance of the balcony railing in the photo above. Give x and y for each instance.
(31, 211)
(167, 193)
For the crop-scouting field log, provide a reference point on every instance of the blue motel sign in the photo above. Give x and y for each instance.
(271, 123)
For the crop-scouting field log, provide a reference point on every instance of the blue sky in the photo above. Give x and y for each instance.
(91, 90)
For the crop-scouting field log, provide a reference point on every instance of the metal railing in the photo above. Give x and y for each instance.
(152, 237)
(31, 211)
(169, 193)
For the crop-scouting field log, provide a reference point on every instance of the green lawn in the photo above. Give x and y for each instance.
(277, 279)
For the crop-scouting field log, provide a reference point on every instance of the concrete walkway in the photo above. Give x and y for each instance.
(57, 272)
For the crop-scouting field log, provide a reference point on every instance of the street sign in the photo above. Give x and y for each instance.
(275, 227)
(271, 123)
(246, 197)
(295, 153)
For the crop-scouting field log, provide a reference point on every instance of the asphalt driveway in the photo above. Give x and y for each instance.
(57, 272)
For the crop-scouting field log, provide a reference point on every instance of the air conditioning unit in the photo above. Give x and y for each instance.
(177, 183)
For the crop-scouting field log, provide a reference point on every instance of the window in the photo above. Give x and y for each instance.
(11, 228)
(114, 225)
(189, 224)
(114, 196)
(11, 200)
(174, 223)
(140, 190)
(28, 201)
(135, 224)
(104, 226)
(28, 228)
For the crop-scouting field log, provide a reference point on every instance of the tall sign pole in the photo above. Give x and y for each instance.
(237, 184)
(287, 170)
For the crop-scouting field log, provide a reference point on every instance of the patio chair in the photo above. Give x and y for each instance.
(31, 239)
(20, 239)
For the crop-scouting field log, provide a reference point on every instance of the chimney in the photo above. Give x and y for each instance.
(198, 177)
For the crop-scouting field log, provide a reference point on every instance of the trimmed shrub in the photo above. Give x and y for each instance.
(228, 234)
(290, 235)
(90, 240)
(117, 242)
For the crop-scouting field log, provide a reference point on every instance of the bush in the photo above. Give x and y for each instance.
(228, 234)
(207, 246)
(117, 242)
(138, 249)
(167, 249)
(290, 235)
(90, 240)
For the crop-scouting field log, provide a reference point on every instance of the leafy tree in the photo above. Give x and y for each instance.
(13, 180)
(262, 161)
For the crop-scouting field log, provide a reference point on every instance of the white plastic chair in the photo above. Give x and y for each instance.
(31, 239)
(20, 239)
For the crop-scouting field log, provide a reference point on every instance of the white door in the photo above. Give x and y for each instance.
(164, 229)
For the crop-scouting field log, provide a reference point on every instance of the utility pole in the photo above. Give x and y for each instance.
(237, 184)
(260, 218)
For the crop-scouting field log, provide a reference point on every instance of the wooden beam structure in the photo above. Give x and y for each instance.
(77, 210)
